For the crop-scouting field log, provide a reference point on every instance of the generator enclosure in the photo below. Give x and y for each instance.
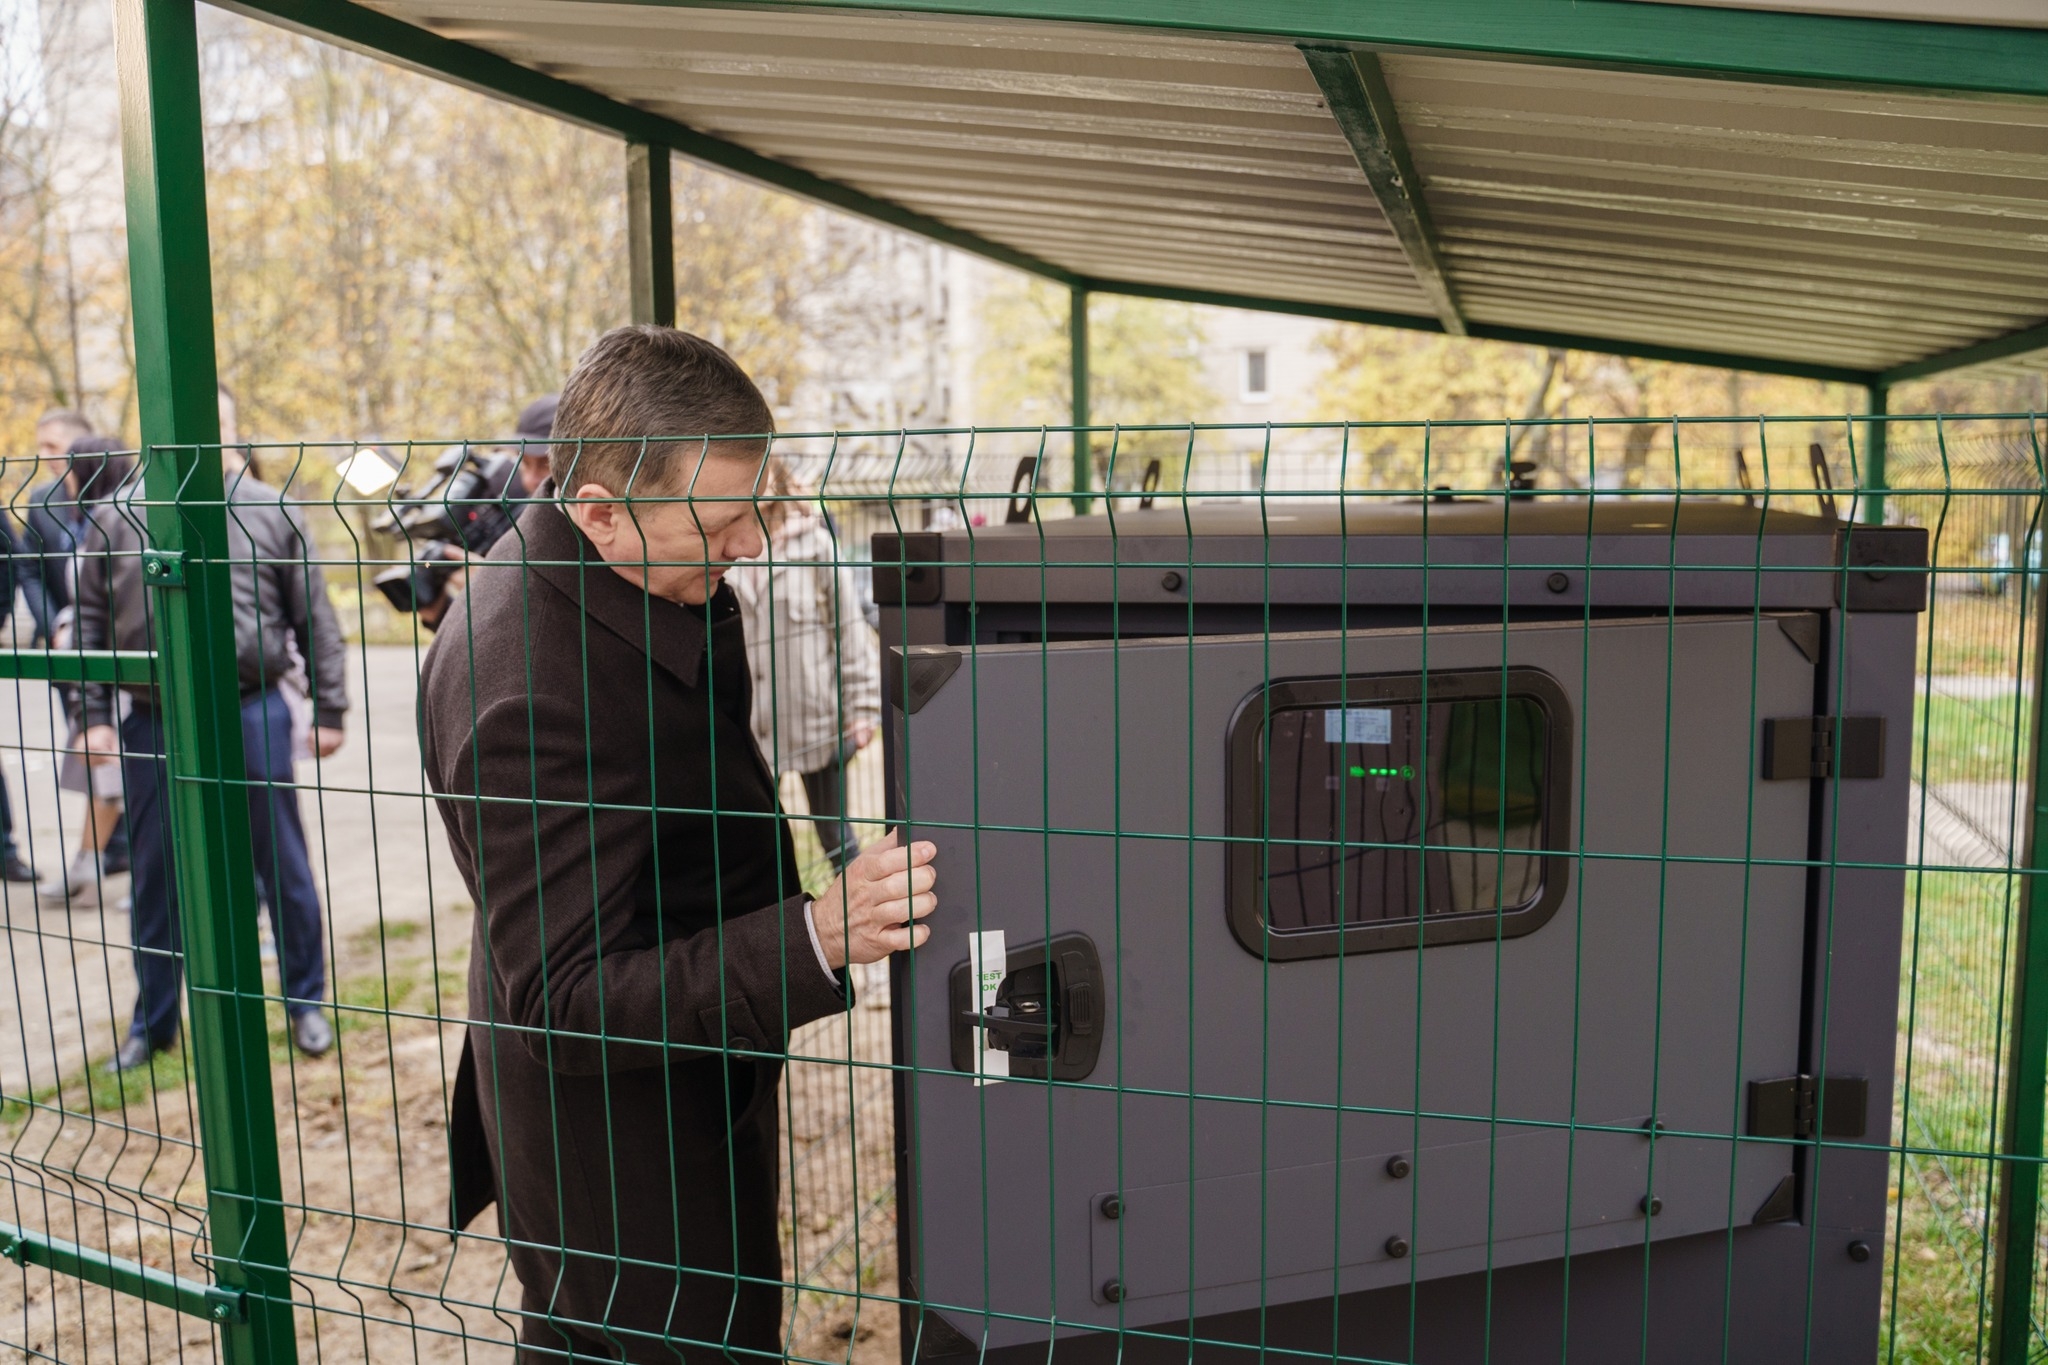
(1438, 930)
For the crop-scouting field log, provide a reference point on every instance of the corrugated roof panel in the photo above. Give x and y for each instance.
(1858, 229)
(1183, 162)
(1854, 229)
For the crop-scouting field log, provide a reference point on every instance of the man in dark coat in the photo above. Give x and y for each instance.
(642, 946)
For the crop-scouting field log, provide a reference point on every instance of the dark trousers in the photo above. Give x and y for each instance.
(825, 790)
(283, 870)
(114, 856)
(7, 849)
(40, 609)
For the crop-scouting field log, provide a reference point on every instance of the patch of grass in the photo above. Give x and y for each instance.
(368, 939)
(364, 997)
(1958, 953)
(454, 984)
(94, 1091)
(1971, 634)
(1971, 739)
(1937, 1313)
(360, 1000)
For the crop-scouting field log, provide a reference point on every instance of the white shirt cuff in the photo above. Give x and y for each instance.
(811, 926)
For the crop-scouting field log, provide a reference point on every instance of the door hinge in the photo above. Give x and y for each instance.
(1788, 1108)
(1823, 746)
(163, 568)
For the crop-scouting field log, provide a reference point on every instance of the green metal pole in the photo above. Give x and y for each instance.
(650, 233)
(2016, 1230)
(1873, 455)
(1077, 357)
(163, 159)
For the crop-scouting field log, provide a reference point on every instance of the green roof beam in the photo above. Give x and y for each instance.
(1356, 94)
(1526, 336)
(1077, 362)
(650, 234)
(1624, 35)
(1875, 444)
(365, 30)
(2034, 338)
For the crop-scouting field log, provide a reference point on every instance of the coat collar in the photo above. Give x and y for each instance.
(561, 556)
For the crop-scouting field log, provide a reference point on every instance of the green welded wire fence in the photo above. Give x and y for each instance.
(1164, 715)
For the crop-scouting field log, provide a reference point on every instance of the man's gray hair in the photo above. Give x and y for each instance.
(646, 381)
(70, 418)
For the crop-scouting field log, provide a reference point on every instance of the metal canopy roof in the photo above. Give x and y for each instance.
(1847, 198)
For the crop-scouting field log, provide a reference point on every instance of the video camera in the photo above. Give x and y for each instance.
(463, 511)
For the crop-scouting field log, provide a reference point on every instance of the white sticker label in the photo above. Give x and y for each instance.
(1359, 725)
(988, 960)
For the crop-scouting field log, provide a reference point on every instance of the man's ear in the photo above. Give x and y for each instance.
(595, 514)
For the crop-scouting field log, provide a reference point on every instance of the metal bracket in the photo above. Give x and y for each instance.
(928, 668)
(907, 568)
(1150, 484)
(215, 1303)
(1788, 1108)
(1882, 568)
(1823, 746)
(1022, 487)
(163, 568)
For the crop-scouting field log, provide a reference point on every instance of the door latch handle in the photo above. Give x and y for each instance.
(1048, 1013)
(1007, 1024)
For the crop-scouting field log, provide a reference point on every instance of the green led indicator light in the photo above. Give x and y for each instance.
(1402, 771)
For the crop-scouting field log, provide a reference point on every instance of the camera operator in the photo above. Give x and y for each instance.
(472, 501)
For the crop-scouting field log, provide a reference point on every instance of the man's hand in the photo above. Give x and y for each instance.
(867, 913)
(327, 739)
(860, 736)
(101, 739)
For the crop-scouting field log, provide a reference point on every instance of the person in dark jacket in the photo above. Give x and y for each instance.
(643, 946)
(51, 521)
(12, 868)
(280, 605)
(96, 469)
(530, 442)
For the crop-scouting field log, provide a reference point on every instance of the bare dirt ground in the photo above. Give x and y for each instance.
(376, 1275)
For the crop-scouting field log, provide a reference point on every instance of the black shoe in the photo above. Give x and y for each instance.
(135, 1051)
(13, 869)
(312, 1033)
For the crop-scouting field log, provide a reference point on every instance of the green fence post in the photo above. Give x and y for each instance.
(1873, 455)
(2016, 1230)
(164, 165)
(1077, 357)
(650, 233)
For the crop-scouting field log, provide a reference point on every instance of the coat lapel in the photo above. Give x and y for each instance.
(562, 557)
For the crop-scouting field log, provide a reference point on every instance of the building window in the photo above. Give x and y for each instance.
(1255, 389)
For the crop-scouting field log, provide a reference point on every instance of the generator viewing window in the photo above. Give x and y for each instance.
(1376, 813)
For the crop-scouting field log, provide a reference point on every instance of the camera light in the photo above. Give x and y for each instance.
(368, 472)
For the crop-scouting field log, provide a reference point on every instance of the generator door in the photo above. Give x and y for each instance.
(1268, 968)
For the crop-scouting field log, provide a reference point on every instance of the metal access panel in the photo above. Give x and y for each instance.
(1281, 1084)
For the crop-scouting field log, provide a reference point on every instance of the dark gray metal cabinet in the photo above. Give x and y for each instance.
(1201, 769)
